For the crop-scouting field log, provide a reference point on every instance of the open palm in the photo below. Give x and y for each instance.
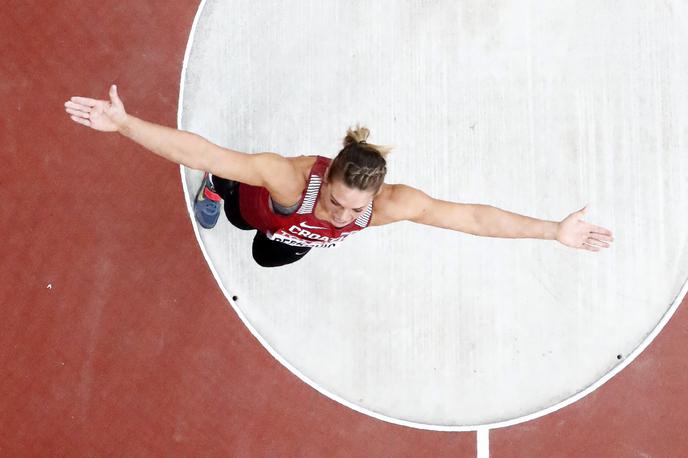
(576, 233)
(102, 115)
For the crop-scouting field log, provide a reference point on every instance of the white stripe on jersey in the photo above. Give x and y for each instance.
(311, 195)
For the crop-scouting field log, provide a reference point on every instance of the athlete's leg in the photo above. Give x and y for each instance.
(229, 191)
(266, 252)
(269, 253)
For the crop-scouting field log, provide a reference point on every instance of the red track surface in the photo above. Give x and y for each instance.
(132, 349)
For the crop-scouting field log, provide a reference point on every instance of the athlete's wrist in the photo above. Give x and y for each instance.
(124, 125)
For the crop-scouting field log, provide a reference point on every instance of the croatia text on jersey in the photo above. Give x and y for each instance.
(303, 238)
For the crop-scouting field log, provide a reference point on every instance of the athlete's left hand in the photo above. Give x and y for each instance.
(576, 233)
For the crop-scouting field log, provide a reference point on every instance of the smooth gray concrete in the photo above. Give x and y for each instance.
(534, 107)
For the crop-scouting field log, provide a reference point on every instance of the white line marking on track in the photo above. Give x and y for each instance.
(482, 431)
(483, 437)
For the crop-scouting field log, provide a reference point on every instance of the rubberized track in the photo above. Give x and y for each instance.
(115, 337)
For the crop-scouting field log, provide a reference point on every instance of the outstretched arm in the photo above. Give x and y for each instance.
(407, 203)
(572, 231)
(261, 169)
(175, 145)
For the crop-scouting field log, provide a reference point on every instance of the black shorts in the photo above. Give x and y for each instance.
(266, 252)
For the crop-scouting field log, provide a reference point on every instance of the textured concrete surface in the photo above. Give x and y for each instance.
(114, 338)
(531, 107)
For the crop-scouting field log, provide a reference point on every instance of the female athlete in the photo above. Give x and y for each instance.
(299, 203)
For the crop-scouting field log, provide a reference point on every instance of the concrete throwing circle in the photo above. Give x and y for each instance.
(535, 110)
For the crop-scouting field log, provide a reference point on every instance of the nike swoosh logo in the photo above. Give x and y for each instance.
(311, 227)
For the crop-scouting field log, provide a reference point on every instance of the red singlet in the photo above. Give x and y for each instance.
(301, 228)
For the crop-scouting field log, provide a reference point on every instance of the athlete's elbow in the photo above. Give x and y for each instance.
(464, 218)
(481, 225)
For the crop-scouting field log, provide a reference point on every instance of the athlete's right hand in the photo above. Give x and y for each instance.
(98, 114)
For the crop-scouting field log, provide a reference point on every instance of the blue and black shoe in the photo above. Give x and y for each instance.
(207, 203)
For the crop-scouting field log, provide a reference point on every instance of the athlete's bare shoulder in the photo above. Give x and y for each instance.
(286, 186)
(283, 178)
(383, 205)
(304, 164)
(397, 202)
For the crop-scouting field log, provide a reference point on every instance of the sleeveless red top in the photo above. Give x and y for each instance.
(300, 228)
